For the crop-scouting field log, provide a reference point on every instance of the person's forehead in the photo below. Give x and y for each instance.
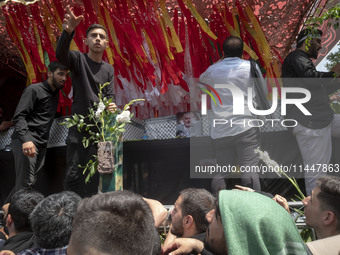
(97, 31)
(315, 192)
(5, 208)
(178, 202)
(58, 70)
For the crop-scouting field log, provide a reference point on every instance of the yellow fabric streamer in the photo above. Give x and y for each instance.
(166, 39)
(39, 46)
(108, 49)
(151, 48)
(169, 23)
(29, 65)
(48, 26)
(114, 36)
(234, 32)
(259, 36)
(199, 19)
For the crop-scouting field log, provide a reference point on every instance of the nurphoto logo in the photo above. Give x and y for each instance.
(239, 104)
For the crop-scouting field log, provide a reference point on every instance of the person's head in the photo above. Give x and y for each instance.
(96, 38)
(119, 221)
(315, 42)
(233, 47)
(322, 208)
(215, 238)
(187, 119)
(245, 221)
(57, 75)
(188, 215)
(52, 218)
(20, 207)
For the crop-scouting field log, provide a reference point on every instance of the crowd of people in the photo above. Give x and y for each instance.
(122, 222)
(81, 221)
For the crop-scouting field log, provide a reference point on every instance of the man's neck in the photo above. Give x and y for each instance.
(49, 81)
(96, 57)
(328, 232)
(190, 232)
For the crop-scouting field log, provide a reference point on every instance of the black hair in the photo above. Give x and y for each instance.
(95, 26)
(233, 47)
(21, 205)
(119, 221)
(54, 65)
(329, 195)
(52, 218)
(197, 203)
(304, 33)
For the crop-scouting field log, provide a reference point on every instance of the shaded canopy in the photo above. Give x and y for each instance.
(155, 46)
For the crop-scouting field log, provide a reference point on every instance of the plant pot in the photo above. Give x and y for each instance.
(106, 159)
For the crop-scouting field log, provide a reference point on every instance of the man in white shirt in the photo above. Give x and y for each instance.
(235, 136)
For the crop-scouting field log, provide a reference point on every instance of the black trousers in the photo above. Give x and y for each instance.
(26, 168)
(77, 155)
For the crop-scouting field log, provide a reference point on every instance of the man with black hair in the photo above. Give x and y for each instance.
(234, 138)
(88, 71)
(243, 223)
(51, 222)
(322, 208)
(17, 221)
(33, 118)
(188, 214)
(314, 129)
(117, 222)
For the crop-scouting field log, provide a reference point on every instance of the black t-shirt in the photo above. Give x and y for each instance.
(86, 75)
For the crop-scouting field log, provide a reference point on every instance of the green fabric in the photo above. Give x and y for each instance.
(255, 224)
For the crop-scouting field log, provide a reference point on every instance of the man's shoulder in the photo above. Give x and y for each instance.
(35, 85)
(295, 54)
(107, 66)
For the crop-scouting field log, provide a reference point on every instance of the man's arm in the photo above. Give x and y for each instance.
(159, 212)
(184, 246)
(70, 22)
(24, 108)
(305, 68)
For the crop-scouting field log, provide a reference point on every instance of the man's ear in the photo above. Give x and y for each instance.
(188, 221)
(86, 41)
(329, 217)
(9, 219)
(49, 74)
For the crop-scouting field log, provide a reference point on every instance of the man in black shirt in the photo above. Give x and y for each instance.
(17, 223)
(313, 132)
(88, 71)
(33, 118)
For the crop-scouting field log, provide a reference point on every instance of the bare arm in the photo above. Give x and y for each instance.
(183, 246)
(169, 237)
(159, 212)
(282, 201)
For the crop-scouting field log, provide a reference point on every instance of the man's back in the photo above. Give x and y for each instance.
(231, 72)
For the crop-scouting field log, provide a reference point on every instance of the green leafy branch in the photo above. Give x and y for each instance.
(331, 16)
(100, 125)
